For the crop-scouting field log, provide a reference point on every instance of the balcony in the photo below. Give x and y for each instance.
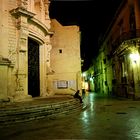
(131, 35)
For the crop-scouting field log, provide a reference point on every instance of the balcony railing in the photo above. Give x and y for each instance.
(124, 37)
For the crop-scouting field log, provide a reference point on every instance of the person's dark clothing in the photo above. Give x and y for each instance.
(76, 95)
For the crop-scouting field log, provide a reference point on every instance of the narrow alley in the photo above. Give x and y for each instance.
(104, 118)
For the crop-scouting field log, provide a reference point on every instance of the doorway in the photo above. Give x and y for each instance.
(33, 68)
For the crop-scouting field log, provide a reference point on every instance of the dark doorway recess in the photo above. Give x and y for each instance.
(33, 68)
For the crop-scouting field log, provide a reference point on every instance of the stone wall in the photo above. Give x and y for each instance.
(65, 59)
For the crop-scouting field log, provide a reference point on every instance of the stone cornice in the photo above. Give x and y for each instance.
(21, 11)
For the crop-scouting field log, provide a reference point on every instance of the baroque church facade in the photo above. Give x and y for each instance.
(25, 42)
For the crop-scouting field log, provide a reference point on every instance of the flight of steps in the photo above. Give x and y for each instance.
(23, 113)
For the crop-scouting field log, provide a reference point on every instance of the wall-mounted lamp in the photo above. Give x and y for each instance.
(134, 57)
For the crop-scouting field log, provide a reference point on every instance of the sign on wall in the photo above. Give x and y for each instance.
(64, 84)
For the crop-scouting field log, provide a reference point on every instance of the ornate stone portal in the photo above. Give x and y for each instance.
(28, 27)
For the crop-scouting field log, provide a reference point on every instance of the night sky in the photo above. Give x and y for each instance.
(92, 16)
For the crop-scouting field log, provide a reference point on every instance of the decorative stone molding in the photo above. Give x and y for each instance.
(23, 3)
(126, 46)
(49, 46)
(19, 83)
(41, 26)
(47, 4)
(38, 30)
(21, 16)
(21, 11)
(11, 55)
(4, 61)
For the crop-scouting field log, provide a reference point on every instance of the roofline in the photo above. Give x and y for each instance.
(113, 20)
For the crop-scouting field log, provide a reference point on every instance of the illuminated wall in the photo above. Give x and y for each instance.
(65, 59)
(119, 48)
(21, 20)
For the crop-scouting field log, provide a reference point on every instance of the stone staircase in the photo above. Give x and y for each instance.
(26, 112)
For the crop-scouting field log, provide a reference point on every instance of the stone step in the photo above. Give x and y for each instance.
(11, 115)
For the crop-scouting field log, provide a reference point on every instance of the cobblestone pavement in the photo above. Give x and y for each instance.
(102, 119)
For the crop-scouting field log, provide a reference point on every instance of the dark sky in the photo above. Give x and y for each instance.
(93, 17)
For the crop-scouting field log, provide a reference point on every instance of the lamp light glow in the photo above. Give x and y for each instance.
(84, 74)
(134, 56)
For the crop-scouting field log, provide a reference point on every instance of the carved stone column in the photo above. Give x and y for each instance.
(50, 71)
(21, 16)
(45, 66)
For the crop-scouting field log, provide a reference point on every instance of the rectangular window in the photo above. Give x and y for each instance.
(60, 50)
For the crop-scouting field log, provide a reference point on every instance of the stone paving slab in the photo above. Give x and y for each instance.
(103, 119)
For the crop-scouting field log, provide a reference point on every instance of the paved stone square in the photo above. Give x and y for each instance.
(104, 118)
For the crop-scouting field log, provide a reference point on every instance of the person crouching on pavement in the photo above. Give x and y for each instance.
(76, 95)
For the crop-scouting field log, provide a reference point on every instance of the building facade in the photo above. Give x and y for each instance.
(25, 52)
(117, 67)
(65, 61)
(24, 48)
